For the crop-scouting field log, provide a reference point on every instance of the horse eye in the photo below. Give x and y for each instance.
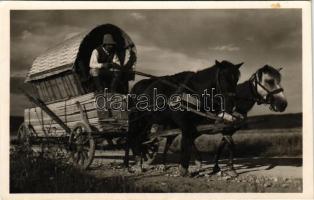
(270, 82)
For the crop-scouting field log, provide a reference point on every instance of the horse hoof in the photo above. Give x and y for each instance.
(136, 169)
(183, 171)
(163, 168)
(231, 172)
(198, 164)
(216, 169)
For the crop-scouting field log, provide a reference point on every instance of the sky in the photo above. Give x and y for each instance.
(171, 41)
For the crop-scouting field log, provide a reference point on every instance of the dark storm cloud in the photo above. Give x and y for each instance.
(169, 41)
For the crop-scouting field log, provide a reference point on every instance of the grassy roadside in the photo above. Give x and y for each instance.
(32, 173)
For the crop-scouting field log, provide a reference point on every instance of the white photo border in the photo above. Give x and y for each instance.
(307, 93)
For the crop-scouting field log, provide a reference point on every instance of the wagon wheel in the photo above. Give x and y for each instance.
(24, 135)
(82, 146)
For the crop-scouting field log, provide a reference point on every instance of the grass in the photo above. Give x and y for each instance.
(33, 173)
(267, 142)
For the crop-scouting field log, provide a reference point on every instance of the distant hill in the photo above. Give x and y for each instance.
(293, 120)
(255, 122)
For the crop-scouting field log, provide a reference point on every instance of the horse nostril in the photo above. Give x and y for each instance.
(283, 105)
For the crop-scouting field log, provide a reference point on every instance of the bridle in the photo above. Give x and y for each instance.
(258, 98)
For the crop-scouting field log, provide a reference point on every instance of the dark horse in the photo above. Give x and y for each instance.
(262, 88)
(222, 77)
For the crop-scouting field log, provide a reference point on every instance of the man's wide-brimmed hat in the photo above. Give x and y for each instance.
(108, 39)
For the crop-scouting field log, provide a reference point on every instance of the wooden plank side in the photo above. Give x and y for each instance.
(63, 113)
(69, 85)
(82, 99)
(40, 92)
(78, 84)
(45, 91)
(69, 118)
(49, 90)
(73, 84)
(64, 108)
(55, 89)
(69, 113)
(66, 87)
(61, 87)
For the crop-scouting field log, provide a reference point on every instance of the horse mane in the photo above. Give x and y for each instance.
(267, 69)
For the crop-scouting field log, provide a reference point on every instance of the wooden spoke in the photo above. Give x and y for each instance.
(82, 146)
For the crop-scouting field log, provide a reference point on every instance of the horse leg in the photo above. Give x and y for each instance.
(217, 155)
(198, 156)
(231, 147)
(135, 144)
(127, 152)
(135, 147)
(186, 147)
(165, 152)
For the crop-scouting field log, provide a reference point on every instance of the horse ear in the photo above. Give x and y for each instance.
(217, 62)
(239, 65)
(279, 69)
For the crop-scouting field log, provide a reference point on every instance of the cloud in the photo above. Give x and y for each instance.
(20, 73)
(229, 47)
(138, 16)
(160, 61)
(26, 34)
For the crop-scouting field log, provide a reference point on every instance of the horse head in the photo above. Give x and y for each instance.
(267, 84)
(227, 77)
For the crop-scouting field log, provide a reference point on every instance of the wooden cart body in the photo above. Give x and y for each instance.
(61, 77)
(68, 111)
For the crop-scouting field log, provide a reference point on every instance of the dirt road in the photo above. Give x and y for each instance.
(255, 175)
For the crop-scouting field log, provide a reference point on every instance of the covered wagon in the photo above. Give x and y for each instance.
(66, 106)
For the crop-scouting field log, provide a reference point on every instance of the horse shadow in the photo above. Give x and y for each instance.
(244, 164)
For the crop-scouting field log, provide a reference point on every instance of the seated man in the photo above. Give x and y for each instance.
(104, 65)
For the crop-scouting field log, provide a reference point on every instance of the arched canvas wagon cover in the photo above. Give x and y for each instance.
(74, 53)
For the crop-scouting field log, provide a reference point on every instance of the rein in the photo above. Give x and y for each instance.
(184, 85)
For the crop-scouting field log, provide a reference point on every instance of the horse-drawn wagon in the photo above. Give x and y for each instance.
(66, 109)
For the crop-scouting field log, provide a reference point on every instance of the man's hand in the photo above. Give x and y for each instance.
(226, 117)
(238, 115)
